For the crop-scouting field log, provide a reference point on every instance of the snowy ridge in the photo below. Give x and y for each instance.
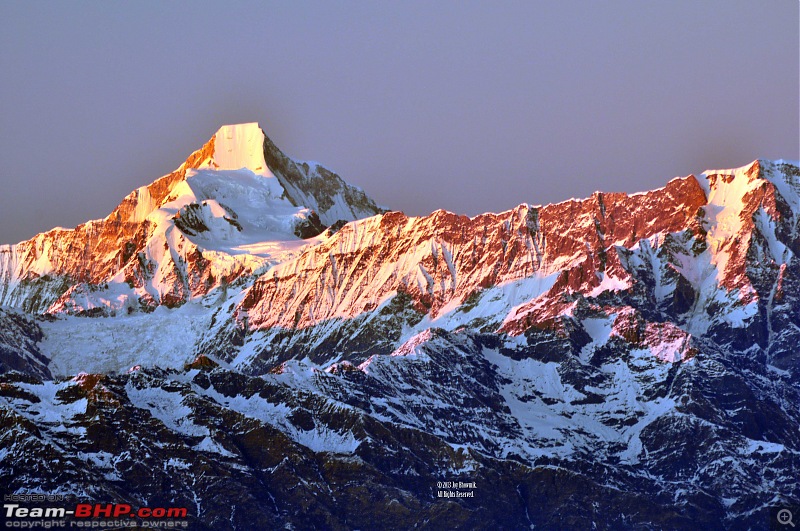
(217, 226)
(221, 216)
(494, 272)
(634, 351)
(445, 258)
(312, 185)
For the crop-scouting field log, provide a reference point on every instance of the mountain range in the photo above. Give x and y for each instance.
(253, 338)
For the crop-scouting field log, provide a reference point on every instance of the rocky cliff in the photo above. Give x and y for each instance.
(253, 338)
(222, 215)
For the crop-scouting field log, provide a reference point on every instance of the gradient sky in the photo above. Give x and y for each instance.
(467, 106)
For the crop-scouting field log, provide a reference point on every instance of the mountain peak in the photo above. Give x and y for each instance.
(234, 206)
(246, 126)
(240, 146)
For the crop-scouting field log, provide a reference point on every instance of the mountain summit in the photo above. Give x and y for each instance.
(223, 214)
(253, 338)
(239, 146)
(245, 146)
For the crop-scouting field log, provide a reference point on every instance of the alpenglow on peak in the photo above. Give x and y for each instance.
(236, 205)
(240, 146)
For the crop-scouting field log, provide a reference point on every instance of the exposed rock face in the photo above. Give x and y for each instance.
(175, 239)
(445, 258)
(310, 184)
(36, 272)
(19, 335)
(607, 441)
(701, 261)
(622, 361)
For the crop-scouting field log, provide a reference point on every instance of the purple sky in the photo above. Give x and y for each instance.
(467, 106)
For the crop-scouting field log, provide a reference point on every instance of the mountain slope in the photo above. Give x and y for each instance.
(621, 361)
(444, 259)
(708, 256)
(220, 216)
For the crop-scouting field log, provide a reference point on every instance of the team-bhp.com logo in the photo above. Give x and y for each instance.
(96, 515)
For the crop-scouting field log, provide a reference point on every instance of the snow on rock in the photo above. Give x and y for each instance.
(639, 343)
(682, 249)
(168, 407)
(445, 258)
(20, 336)
(312, 185)
(734, 197)
(164, 338)
(49, 408)
(221, 216)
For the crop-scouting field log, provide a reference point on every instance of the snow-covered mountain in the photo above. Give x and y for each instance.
(222, 215)
(617, 361)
